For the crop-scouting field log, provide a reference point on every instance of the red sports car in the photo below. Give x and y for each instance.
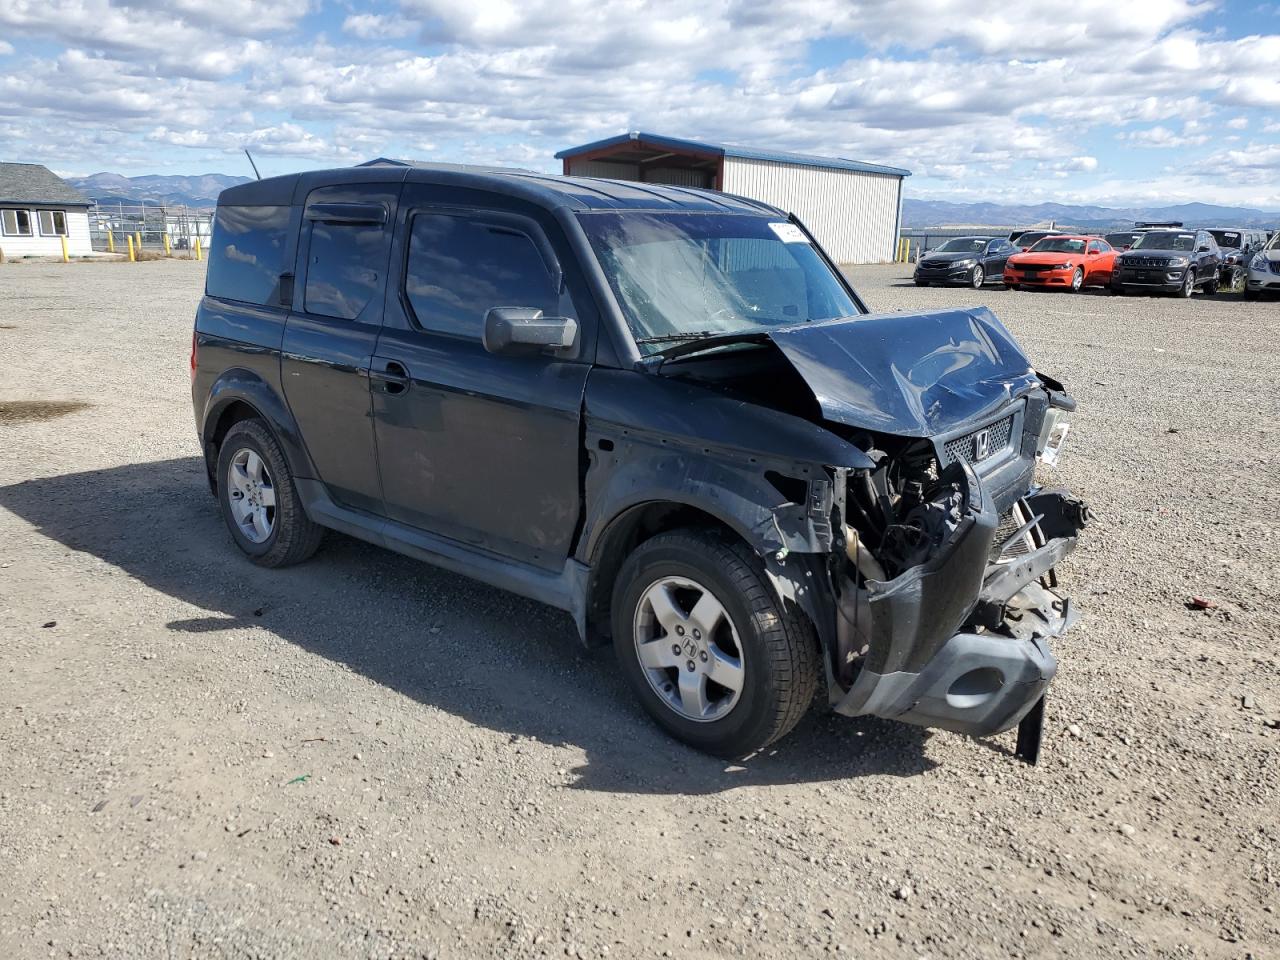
(1073, 262)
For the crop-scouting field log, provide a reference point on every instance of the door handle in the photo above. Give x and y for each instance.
(390, 377)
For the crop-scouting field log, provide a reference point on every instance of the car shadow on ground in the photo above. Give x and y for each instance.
(489, 657)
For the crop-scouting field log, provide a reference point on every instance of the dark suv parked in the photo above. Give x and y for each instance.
(971, 261)
(662, 410)
(1238, 246)
(1169, 261)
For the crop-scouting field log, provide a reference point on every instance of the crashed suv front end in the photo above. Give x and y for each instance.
(942, 570)
(946, 620)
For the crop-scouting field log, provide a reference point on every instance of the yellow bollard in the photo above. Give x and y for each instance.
(65, 257)
(197, 248)
(132, 258)
(111, 242)
(166, 245)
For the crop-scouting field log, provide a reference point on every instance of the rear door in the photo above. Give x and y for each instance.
(478, 447)
(329, 340)
(997, 255)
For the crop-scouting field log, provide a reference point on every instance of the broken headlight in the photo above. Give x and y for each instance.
(1053, 433)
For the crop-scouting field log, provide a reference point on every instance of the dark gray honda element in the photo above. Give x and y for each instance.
(663, 410)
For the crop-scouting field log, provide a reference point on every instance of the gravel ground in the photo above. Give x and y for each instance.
(365, 757)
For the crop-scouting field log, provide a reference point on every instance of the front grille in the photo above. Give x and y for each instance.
(1145, 263)
(1275, 266)
(935, 264)
(966, 448)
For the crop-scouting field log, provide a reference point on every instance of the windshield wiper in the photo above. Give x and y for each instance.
(690, 335)
(695, 341)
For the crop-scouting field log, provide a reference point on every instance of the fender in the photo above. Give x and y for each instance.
(245, 386)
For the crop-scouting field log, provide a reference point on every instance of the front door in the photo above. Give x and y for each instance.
(477, 447)
(330, 336)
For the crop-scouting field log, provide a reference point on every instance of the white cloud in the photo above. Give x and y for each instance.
(374, 26)
(1238, 123)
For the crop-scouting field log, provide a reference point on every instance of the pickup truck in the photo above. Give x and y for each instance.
(663, 410)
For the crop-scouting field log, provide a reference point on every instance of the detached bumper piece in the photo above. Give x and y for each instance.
(961, 642)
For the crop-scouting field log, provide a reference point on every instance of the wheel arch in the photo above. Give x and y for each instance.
(240, 395)
(625, 531)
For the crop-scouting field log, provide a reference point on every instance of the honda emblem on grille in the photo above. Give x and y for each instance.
(981, 444)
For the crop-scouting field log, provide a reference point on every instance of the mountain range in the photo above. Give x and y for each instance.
(202, 191)
(196, 191)
(936, 213)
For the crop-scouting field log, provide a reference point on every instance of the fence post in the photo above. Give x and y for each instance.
(132, 258)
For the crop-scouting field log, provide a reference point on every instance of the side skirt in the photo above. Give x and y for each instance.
(566, 590)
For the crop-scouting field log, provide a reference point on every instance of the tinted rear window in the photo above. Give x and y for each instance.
(246, 254)
(345, 261)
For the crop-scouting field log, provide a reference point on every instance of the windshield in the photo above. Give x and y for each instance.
(1027, 239)
(1226, 238)
(1058, 245)
(1274, 242)
(1166, 240)
(684, 276)
(1121, 239)
(963, 245)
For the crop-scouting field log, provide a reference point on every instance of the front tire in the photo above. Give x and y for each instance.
(1188, 285)
(979, 277)
(706, 645)
(259, 502)
(1077, 280)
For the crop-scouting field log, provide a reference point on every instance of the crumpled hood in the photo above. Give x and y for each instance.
(910, 374)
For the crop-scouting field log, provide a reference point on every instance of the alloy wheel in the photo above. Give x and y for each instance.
(979, 276)
(1077, 280)
(252, 495)
(689, 649)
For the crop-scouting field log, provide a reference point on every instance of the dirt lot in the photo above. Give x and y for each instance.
(364, 757)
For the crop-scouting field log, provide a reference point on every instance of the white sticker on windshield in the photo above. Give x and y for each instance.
(789, 233)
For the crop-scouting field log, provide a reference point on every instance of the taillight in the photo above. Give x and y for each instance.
(193, 356)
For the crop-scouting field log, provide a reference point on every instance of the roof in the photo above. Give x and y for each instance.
(730, 150)
(396, 162)
(33, 183)
(546, 190)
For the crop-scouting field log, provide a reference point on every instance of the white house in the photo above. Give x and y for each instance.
(853, 208)
(38, 209)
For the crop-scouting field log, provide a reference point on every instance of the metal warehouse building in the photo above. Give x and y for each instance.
(853, 208)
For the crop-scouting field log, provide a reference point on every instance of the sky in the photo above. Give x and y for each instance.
(1094, 101)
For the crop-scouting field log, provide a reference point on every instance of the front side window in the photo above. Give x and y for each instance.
(53, 223)
(246, 253)
(460, 268)
(15, 223)
(682, 276)
(344, 263)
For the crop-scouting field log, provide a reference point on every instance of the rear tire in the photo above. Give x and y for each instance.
(259, 502)
(1211, 286)
(662, 596)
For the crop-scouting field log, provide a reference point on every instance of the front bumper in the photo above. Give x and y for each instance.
(1045, 278)
(1151, 278)
(962, 642)
(962, 275)
(1262, 281)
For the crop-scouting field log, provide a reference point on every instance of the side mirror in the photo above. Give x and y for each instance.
(515, 330)
(1203, 248)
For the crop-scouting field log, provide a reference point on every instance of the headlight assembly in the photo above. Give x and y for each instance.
(960, 264)
(1179, 262)
(1259, 262)
(1053, 433)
